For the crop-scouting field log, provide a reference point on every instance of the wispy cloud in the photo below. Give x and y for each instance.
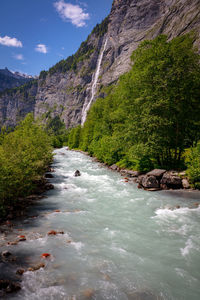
(41, 48)
(10, 42)
(72, 13)
(19, 57)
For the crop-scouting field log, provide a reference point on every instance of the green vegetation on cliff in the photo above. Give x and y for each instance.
(25, 155)
(153, 114)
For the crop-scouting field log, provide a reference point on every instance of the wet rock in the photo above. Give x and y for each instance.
(150, 182)
(37, 267)
(49, 175)
(77, 173)
(158, 173)
(12, 243)
(88, 294)
(8, 286)
(171, 180)
(6, 254)
(45, 255)
(10, 216)
(52, 232)
(140, 179)
(143, 296)
(22, 238)
(114, 168)
(20, 271)
(49, 186)
(185, 183)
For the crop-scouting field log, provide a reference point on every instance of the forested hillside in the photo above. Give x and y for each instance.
(152, 115)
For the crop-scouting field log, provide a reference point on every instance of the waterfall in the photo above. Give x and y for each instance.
(87, 104)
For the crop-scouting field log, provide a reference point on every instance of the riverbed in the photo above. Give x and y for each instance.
(119, 242)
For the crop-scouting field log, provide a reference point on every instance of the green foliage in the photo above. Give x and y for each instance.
(57, 130)
(24, 89)
(74, 137)
(100, 29)
(71, 62)
(153, 113)
(192, 159)
(24, 156)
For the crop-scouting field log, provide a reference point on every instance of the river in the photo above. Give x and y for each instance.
(119, 242)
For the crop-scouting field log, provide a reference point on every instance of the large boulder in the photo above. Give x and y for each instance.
(150, 182)
(130, 173)
(171, 180)
(158, 173)
(185, 183)
(140, 179)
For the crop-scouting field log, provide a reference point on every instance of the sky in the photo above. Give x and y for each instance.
(36, 34)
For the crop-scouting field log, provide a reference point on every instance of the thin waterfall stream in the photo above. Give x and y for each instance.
(115, 241)
(87, 104)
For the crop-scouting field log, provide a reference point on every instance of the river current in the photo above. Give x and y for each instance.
(119, 242)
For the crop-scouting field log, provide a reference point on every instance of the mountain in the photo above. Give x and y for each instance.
(68, 88)
(9, 79)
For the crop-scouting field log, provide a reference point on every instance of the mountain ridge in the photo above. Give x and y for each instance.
(10, 79)
(66, 87)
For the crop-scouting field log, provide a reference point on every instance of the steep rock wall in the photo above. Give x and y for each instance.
(67, 87)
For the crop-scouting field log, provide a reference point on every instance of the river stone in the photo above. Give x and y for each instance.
(150, 182)
(185, 183)
(158, 173)
(6, 254)
(171, 180)
(77, 173)
(114, 167)
(48, 175)
(140, 179)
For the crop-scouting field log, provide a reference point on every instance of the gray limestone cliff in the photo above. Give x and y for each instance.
(66, 89)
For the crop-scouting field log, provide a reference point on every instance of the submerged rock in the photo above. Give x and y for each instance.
(49, 175)
(37, 267)
(20, 271)
(77, 173)
(6, 254)
(45, 255)
(8, 286)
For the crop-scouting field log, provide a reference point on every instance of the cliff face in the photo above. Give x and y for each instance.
(9, 80)
(67, 88)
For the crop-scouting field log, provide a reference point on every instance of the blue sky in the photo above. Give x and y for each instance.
(35, 34)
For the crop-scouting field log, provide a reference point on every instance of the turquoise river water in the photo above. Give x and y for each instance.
(119, 242)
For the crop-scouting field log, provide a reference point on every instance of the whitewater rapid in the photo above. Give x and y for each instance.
(119, 242)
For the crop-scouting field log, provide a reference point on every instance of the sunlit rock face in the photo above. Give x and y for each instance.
(66, 92)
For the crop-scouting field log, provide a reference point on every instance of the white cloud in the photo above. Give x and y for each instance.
(10, 42)
(19, 57)
(41, 48)
(72, 13)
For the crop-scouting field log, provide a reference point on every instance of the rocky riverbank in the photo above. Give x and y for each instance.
(155, 180)
(13, 266)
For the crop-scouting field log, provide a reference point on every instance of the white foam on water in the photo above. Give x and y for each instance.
(77, 245)
(189, 245)
(119, 250)
(36, 286)
(165, 213)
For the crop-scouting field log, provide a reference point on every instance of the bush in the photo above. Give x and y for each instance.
(24, 156)
(192, 160)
